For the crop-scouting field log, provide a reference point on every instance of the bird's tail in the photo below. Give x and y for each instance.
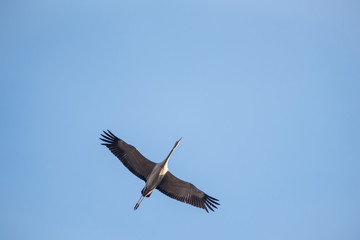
(139, 202)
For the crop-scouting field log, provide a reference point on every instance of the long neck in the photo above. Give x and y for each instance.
(172, 150)
(168, 157)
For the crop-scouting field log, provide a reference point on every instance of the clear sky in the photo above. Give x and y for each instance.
(266, 95)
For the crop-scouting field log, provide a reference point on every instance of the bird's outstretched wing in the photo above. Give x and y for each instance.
(186, 192)
(128, 155)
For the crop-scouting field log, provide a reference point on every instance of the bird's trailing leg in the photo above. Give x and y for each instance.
(139, 202)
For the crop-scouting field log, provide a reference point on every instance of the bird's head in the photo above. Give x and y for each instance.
(177, 143)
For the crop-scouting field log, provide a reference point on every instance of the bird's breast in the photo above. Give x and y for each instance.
(156, 176)
(164, 170)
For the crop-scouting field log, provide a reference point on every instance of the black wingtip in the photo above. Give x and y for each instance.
(210, 203)
(108, 138)
(109, 132)
(212, 198)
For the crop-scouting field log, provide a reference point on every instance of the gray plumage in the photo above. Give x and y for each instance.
(157, 175)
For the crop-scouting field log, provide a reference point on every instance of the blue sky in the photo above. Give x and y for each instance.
(264, 93)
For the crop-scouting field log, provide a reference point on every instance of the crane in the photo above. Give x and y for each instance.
(157, 175)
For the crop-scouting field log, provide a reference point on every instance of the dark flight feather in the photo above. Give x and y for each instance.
(186, 192)
(128, 155)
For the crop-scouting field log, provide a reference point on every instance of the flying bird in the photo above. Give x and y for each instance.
(157, 175)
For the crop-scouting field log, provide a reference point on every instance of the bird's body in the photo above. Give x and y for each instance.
(155, 178)
(157, 175)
